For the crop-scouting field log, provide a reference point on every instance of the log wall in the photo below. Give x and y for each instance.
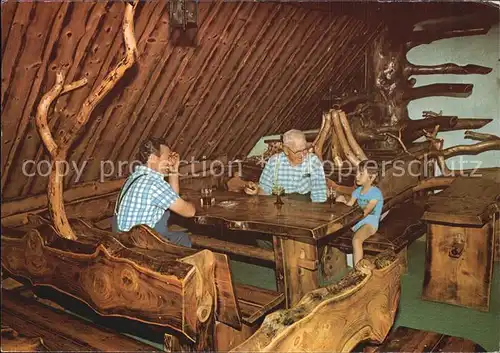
(257, 69)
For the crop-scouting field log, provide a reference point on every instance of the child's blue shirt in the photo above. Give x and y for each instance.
(373, 218)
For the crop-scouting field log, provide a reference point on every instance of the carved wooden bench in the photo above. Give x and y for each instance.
(404, 339)
(238, 310)
(355, 314)
(134, 275)
(361, 306)
(31, 326)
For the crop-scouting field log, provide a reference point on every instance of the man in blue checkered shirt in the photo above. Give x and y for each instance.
(295, 169)
(146, 198)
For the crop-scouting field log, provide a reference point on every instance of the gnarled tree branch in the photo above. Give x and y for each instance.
(426, 37)
(67, 139)
(44, 106)
(448, 68)
(58, 150)
(398, 138)
(461, 90)
(55, 191)
(325, 130)
(460, 124)
(479, 136)
(464, 150)
(356, 148)
(344, 144)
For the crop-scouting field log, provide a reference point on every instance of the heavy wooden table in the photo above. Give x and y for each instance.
(297, 230)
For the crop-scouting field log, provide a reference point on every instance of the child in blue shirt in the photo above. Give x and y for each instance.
(371, 201)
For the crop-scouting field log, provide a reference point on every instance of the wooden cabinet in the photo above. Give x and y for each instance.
(461, 243)
(459, 264)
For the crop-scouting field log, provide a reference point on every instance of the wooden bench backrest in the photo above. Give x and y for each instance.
(362, 306)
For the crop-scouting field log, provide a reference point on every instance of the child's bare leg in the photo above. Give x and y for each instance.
(359, 237)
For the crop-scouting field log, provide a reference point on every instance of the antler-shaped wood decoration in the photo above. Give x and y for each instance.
(324, 131)
(58, 150)
(488, 142)
(436, 144)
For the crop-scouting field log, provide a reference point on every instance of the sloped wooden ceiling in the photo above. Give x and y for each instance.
(257, 69)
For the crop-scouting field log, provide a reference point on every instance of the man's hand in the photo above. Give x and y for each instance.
(251, 188)
(341, 198)
(173, 162)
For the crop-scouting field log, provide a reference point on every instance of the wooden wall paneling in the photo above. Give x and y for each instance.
(21, 77)
(128, 88)
(69, 58)
(350, 46)
(291, 70)
(321, 64)
(155, 49)
(349, 61)
(201, 113)
(72, 56)
(308, 120)
(258, 71)
(241, 49)
(247, 65)
(174, 78)
(210, 68)
(238, 71)
(14, 44)
(148, 98)
(266, 92)
(8, 12)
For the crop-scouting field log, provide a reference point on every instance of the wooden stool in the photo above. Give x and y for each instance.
(460, 243)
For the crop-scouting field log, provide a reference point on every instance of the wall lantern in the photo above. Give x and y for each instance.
(183, 14)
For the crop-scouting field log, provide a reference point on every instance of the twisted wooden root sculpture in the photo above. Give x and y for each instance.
(59, 150)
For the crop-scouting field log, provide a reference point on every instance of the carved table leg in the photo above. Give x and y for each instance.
(496, 232)
(333, 262)
(278, 261)
(299, 265)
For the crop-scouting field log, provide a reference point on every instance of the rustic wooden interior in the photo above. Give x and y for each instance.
(84, 83)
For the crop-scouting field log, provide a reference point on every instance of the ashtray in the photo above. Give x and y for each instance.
(228, 203)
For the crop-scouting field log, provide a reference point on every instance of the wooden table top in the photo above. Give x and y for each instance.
(297, 218)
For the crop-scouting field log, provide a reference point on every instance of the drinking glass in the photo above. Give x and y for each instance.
(332, 195)
(206, 196)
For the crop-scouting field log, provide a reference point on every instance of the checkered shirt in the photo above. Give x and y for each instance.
(309, 176)
(146, 200)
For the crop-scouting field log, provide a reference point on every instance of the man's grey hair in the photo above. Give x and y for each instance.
(294, 139)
